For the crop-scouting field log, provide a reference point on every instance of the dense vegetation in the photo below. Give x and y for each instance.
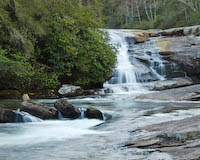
(44, 43)
(145, 14)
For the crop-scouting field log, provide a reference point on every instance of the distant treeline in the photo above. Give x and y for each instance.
(147, 14)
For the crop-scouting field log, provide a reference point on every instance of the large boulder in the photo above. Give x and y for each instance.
(70, 91)
(67, 109)
(39, 110)
(142, 36)
(93, 113)
(8, 116)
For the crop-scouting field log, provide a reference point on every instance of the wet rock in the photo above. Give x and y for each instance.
(172, 83)
(93, 113)
(179, 138)
(9, 94)
(189, 93)
(39, 110)
(143, 72)
(8, 116)
(140, 36)
(70, 91)
(67, 109)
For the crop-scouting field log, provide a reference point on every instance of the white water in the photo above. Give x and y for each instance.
(46, 131)
(124, 76)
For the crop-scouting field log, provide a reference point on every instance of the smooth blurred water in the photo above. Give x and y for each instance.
(91, 139)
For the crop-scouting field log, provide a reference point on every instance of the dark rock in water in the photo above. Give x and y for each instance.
(39, 110)
(93, 113)
(67, 109)
(8, 116)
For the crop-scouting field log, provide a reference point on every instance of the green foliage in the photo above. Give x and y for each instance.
(45, 43)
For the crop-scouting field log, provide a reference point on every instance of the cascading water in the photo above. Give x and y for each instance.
(124, 76)
(26, 117)
(136, 64)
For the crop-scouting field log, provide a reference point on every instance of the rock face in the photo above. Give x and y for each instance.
(39, 110)
(8, 116)
(67, 109)
(93, 113)
(179, 138)
(184, 52)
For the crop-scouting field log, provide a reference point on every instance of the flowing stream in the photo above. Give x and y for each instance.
(95, 139)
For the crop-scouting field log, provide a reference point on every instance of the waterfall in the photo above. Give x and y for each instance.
(136, 63)
(125, 74)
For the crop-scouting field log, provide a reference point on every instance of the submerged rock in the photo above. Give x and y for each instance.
(39, 110)
(67, 109)
(93, 113)
(8, 116)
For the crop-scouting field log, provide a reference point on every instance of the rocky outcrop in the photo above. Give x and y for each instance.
(93, 113)
(141, 36)
(8, 116)
(39, 110)
(189, 93)
(67, 109)
(179, 138)
(181, 31)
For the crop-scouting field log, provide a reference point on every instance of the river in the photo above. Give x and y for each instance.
(95, 139)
